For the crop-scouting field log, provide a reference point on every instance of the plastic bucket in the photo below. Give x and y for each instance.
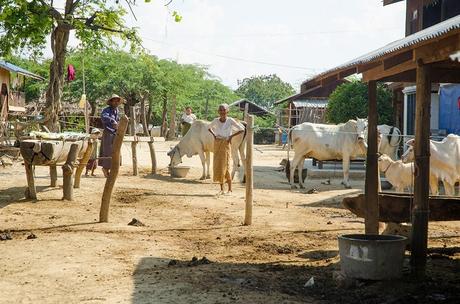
(372, 257)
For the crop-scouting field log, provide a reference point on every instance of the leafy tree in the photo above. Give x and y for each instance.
(350, 100)
(264, 90)
(26, 24)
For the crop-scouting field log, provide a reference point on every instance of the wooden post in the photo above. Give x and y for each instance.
(249, 170)
(420, 210)
(246, 111)
(83, 163)
(110, 181)
(372, 174)
(31, 192)
(67, 173)
(134, 142)
(150, 143)
(53, 175)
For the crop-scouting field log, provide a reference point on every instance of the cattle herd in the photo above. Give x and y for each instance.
(343, 142)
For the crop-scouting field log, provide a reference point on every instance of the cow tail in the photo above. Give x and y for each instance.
(289, 143)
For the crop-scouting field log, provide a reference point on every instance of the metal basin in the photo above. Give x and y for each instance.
(179, 171)
(372, 257)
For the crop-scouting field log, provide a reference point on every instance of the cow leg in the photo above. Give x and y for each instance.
(294, 164)
(449, 189)
(346, 171)
(203, 164)
(433, 185)
(243, 161)
(208, 164)
(300, 170)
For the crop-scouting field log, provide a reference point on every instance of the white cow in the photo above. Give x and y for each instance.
(399, 174)
(199, 140)
(390, 140)
(326, 142)
(444, 162)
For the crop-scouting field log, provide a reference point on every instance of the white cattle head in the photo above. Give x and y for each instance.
(408, 156)
(384, 162)
(361, 129)
(175, 156)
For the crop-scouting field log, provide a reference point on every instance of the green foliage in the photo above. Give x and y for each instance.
(264, 90)
(26, 24)
(350, 100)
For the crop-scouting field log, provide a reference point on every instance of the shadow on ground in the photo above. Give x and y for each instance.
(15, 195)
(158, 280)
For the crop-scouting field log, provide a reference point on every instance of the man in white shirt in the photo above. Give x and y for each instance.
(223, 129)
(186, 120)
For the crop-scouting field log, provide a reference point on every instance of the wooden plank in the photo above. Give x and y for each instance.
(138, 139)
(372, 176)
(422, 169)
(396, 207)
(53, 175)
(378, 73)
(48, 152)
(398, 59)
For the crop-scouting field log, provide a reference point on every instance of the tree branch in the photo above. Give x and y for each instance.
(53, 12)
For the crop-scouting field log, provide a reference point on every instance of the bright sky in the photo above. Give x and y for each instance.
(298, 37)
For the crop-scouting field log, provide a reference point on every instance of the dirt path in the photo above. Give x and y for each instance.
(294, 237)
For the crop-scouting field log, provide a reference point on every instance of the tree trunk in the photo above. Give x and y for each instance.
(59, 40)
(143, 118)
(149, 114)
(172, 122)
(163, 117)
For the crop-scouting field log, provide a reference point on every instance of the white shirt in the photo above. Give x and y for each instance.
(225, 129)
(188, 118)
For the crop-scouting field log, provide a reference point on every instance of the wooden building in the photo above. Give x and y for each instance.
(253, 108)
(307, 106)
(422, 58)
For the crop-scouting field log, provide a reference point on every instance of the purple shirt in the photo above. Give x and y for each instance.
(109, 116)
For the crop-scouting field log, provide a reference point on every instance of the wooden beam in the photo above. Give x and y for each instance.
(396, 207)
(438, 50)
(379, 73)
(440, 75)
(420, 210)
(372, 175)
(368, 66)
(398, 59)
(348, 72)
(329, 79)
(406, 76)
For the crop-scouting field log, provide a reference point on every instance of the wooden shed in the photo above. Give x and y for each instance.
(422, 58)
(307, 106)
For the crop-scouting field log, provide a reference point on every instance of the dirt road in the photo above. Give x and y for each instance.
(74, 259)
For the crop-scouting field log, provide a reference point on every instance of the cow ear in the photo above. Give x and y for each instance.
(410, 142)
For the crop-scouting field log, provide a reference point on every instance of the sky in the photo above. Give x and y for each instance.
(294, 39)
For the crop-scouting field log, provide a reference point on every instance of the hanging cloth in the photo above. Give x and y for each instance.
(70, 73)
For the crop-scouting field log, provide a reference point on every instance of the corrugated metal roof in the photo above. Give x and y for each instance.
(432, 32)
(14, 68)
(311, 103)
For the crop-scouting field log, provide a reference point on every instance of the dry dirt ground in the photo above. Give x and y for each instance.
(74, 259)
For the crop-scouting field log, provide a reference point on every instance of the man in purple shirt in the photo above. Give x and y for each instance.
(110, 121)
